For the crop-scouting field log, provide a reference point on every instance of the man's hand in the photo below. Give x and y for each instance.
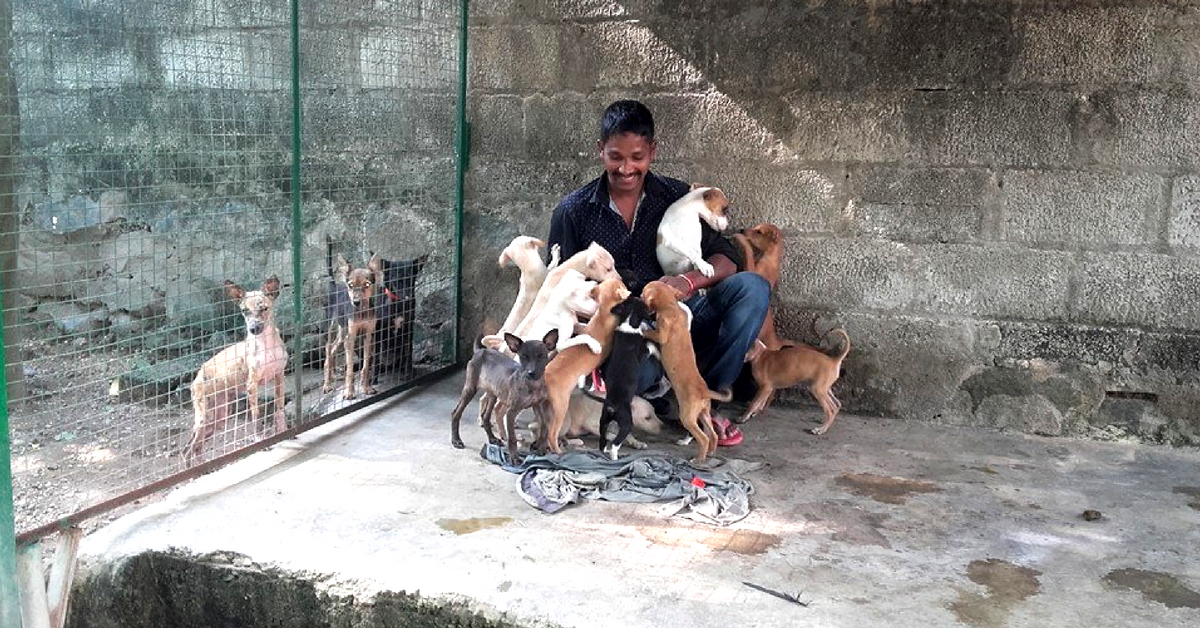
(693, 280)
(679, 283)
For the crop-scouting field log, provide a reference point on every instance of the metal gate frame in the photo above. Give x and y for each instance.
(10, 600)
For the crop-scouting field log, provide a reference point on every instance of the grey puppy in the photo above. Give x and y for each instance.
(510, 386)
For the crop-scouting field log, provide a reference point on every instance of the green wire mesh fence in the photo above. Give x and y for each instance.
(152, 156)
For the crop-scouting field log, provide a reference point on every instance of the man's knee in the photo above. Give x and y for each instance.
(749, 289)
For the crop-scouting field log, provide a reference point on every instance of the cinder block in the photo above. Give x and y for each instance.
(847, 274)
(497, 179)
(1072, 209)
(517, 59)
(1067, 342)
(497, 125)
(992, 281)
(416, 56)
(518, 11)
(1184, 230)
(1095, 45)
(629, 56)
(1141, 130)
(1138, 289)
(798, 200)
(917, 204)
(562, 127)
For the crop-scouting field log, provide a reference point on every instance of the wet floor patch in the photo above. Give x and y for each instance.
(1156, 586)
(467, 526)
(884, 489)
(1007, 585)
(745, 542)
(851, 525)
(1190, 491)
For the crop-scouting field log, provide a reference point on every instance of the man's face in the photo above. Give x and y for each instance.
(626, 159)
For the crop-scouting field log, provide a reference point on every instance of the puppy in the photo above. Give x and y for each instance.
(583, 418)
(679, 361)
(523, 252)
(791, 366)
(574, 362)
(625, 359)
(240, 367)
(353, 313)
(572, 296)
(397, 315)
(679, 233)
(762, 246)
(594, 262)
(513, 385)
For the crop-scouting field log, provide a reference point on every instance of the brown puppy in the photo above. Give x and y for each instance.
(801, 364)
(574, 362)
(679, 361)
(762, 246)
(353, 314)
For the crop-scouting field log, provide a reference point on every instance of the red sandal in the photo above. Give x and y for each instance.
(728, 434)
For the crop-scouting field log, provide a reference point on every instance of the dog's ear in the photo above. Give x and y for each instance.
(695, 186)
(270, 287)
(550, 339)
(536, 244)
(375, 264)
(505, 258)
(514, 343)
(234, 291)
(342, 271)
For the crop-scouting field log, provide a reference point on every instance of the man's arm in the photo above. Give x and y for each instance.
(563, 233)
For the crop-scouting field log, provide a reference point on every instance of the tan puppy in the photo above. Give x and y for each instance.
(679, 232)
(574, 295)
(574, 362)
(523, 252)
(762, 246)
(594, 262)
(353, 314)
(791, 366)
(240, 367)
(679, 361)
(583, 418)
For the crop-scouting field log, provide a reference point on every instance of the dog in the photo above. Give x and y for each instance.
(397, 313)
(583, 418)
(574, 362)
(594, 262)
(762, 246)
(353, 312)
(629, 350)
(679, 361)
(523, 252)
(241, 367)
(679, 233)
(513, 385)
(801, 364)
(571, 297)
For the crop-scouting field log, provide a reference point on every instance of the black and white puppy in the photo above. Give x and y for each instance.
(629, 350)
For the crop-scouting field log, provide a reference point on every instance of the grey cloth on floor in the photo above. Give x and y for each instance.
(550, 483)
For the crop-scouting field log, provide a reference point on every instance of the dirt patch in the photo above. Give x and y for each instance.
(745, 542)
(1007, 585)
(1163, 588)
(467, 526)
(851, 525)
(889, 490)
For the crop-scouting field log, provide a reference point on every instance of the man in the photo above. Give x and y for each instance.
(621, 211)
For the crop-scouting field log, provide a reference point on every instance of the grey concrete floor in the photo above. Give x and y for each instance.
(878, 523)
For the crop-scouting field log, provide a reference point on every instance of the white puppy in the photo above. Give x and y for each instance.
(679, 233)
(524, 252)
(574, 295)
(594, 262)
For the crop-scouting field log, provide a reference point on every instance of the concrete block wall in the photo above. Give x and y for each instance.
(999, 199)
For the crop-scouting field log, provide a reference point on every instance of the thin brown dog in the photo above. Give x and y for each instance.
(241, 367)
(679, 361)
(353, 315)
(791, 366)
(574, 362)
(762, 246)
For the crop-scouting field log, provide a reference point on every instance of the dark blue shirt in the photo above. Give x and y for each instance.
(585, 216)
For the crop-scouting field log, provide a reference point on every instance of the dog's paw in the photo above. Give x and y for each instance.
(685, 441)
(325, 390)
(370, 390)
(818, 430)
(348, 395)
(705, 268)
(636, 444)
(457, 442)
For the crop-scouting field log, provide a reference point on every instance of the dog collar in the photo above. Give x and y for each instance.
(390, 295)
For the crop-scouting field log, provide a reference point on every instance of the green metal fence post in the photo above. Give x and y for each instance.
(463, 133)
(10, 604)
(297, 223)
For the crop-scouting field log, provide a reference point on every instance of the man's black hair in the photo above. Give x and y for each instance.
(627, 116)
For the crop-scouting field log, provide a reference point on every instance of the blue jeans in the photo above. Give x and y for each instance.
(726, 321)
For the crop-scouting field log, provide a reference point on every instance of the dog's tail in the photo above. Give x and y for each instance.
(846, 346)
(724, 395)
(486, 329)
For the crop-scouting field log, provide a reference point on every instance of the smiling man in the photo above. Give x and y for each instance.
(621, 210)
